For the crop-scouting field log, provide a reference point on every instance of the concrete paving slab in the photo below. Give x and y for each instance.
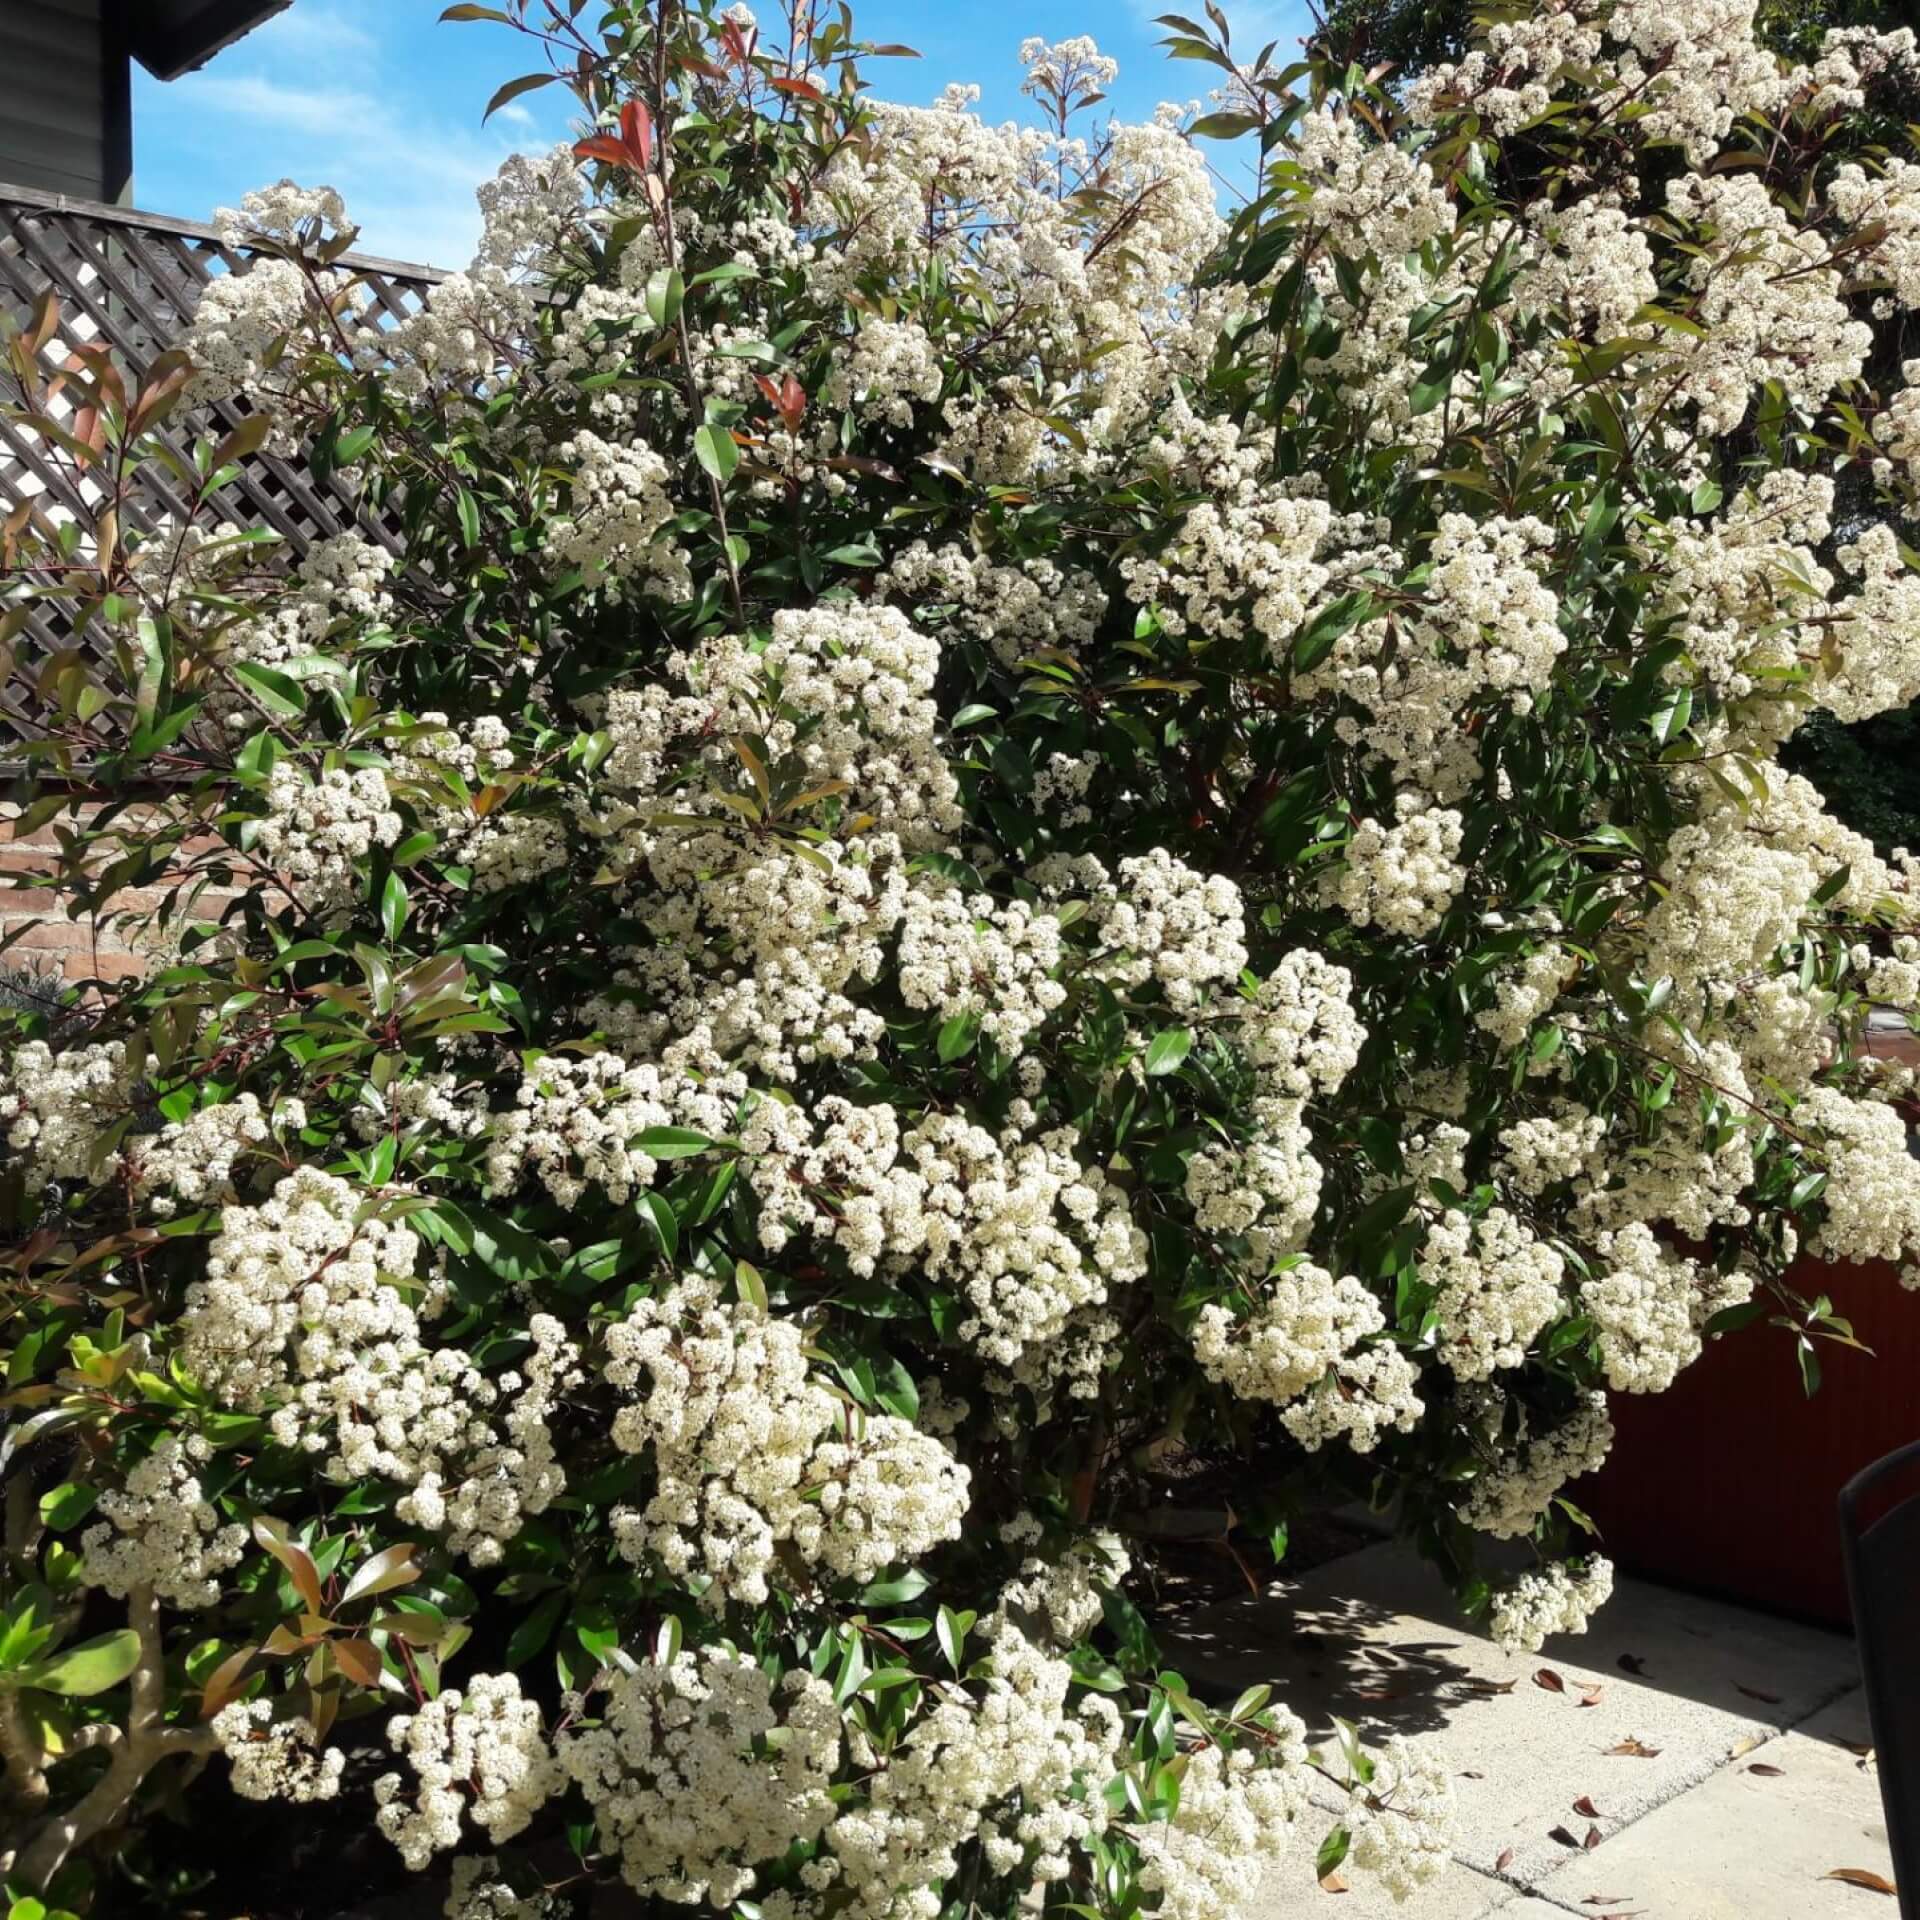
(1751, 1844)
(1292, 1894)
(1372, 1638)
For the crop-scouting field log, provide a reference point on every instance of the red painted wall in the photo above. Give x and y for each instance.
(1728, 1481)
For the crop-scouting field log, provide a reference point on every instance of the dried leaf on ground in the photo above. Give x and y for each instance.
(1564, 1837)
(1584, 1805)
(1592, 1839)
(1766, 1772)
(1759, 1693)
(1638, 1749)
(1590, 1696)
(1504, 1860)
(1332, 1883)
(1550, 1680)
(1861, 1877)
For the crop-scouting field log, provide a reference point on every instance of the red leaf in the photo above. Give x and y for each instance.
(1592, 1840)
(805, 89)
(636, 129)
(603, 147)
(1584, 1806)
(1757, 1693)
(1564, 1837)
(1503, 1860)
(1550, 1680)
(1765, 1771)
(359, 1661)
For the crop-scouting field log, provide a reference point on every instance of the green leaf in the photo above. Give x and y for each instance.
(1333, 1850)
(895, 1591)
(351, 445)
(277, 692)
(66, 1506)
(393, 906)
(468, 509)
(715, 449)
(1319, 636)
(972, 715)
(663, 1223)
(666, 293)
(90, 1668)
(670, 1143)
(1168, 1049)
(956, 1037)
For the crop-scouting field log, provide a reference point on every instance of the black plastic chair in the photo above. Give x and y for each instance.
(1880, 1532)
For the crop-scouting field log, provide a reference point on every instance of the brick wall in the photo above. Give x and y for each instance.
(34, 921)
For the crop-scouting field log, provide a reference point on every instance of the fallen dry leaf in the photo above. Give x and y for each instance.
(1605, 1899)
(1860, 1877)
(1632, 1663)
(1590, 1696)
(1584, 1805)
(1550, 1680)
(1492, 1686)
(1746, 1744)
(1759, 1693)
(1592, 1840)
(1766, 1772)
(1504, 1860)
(1467, 1773)
(1638, 1749)
(1564, 1837)
(1332, 1883)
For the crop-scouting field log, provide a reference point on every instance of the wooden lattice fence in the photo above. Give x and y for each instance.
(133, 280)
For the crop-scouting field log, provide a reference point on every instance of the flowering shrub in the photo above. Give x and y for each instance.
(988, 828)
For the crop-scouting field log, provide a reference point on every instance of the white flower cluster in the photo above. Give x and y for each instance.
(315, 831)
(1872, 1195)
(1496, 1287)
(1648, 1305)
(1302, 1349)
(302, 1316)
(160, 1531)
(1370, 198)
(1402, 878)
(192, 1160)
(275, 1759)
(55, 1106)
(1519, 1483)
(1232, 1827)
(1487, 624)
(477, 1892)
(701, 1771)
(749, 1451)
(1530, 1608)
(1402, 1819)
(479, 1750)
(618, 504)
(994, 962)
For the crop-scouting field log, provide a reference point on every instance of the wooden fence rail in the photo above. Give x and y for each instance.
(133, 280)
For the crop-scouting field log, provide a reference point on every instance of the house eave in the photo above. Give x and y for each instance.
(172, 37)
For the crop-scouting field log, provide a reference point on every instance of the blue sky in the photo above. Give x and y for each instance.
(378, 99)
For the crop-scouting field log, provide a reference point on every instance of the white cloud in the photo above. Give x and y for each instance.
(324, 101)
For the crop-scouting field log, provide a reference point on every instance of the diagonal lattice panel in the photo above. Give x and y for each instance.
(133, 280)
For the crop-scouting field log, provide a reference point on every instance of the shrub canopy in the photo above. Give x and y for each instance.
(994, 834)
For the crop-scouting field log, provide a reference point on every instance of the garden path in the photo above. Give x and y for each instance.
(1683, 1760)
